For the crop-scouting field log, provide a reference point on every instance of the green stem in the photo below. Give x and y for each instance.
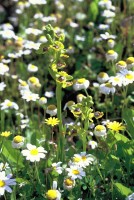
(58, 98)
(37, 174)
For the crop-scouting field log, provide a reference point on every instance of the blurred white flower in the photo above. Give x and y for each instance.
(2, 86)
(106, 88)
(7, 104)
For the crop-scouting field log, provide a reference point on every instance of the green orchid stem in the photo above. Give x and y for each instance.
(61, 136)
(58, 98)
(84, 140)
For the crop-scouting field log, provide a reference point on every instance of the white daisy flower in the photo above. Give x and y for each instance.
(82, 159)
(2, 86)
(100, 131)
(57, 167)
(31, 45)
(29, 96)
(80, 84)
(7, 34)
(69, 105)
(33, 153)
(5, 183)
(130, 197)
(111, 55)
(103, 27)
(107, 36)
(116, 81)
(127, 76)
(75, 172)
(108, 14)
(32, 68)
(105, 4)
(7, 104)
(23, 85)
(106, 88)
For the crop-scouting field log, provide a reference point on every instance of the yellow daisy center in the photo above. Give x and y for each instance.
(18, 139)
(33, 79)
(111, 52)
(81, 80)
(2, 183)
(51, 194)
(76, 159)
(122, 63)
(23, 83)
(110, 41)
(32, 66)
(129, 76)
(109, 85)
(130, 60)
(84, 158)
(102, 75)
(116, 79)
(100, 128)
(69, 182)
(75, 171)
(34, 152)
(51, 107)
(9, 104)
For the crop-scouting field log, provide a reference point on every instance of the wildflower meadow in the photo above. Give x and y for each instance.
(67, 100)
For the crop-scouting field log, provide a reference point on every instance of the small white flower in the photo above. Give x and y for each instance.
(130, 62)
(32, 68)
(31, 45)
(57, 167)
(130, 197)
(80, 84)
(107, 36)
(33, 31)
(100, 131)
(42, 100)
(102, 77)
(4, 166)
(7, 34)
(3, 69)
(53, 194)
(33, 153)
(7, 104)
(121, 65)
(2, 86)
(51, 110)
(103, 27)
(111, 55)
(33, 82)
(106, 88)
(49, 94)
(68, 183)
(39, 2)
(75, 172)
(92, 144)
(108, 14)
(5, 182)
(29, 96)
(105, 4)
(111, 43)
(18, 142)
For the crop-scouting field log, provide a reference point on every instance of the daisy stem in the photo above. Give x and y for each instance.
(5, 197)
(86, 92)
(106, 106)
(37, 174)
(2, 120)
